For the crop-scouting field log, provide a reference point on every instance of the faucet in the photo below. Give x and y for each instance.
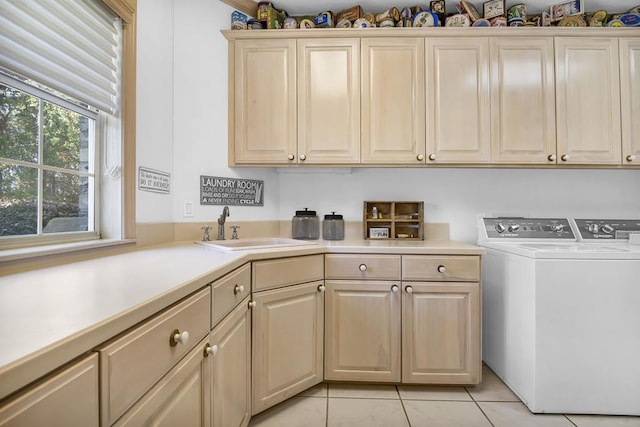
(221, 220)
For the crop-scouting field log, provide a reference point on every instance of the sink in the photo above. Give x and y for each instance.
(258, 243)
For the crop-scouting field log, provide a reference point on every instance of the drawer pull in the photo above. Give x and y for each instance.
(394, 288)
(564, 157)
(321, 288)
(409, 289)
(210, 350)
(441, 269)
(238, 289)
(362, 267)
(178, 337)
(631, 158)
(252, 304)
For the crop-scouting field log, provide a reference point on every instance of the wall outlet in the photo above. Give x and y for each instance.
(188, 208)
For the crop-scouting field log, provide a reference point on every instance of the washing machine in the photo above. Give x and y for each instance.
(561, 312)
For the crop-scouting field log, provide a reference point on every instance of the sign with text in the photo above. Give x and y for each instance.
(215, 190)
(154, 181)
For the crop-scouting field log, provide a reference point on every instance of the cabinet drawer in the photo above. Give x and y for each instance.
(69, 398)
(358, 266)
(441, 268)
(276, 273)
(130, 365)
(228, 291)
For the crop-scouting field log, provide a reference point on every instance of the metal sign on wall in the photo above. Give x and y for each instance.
(154, 181)
(215, 190)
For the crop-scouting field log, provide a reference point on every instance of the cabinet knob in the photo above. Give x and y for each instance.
(394, 288)
(441, 269)
(362, 267)
(420, 157)
(252, 304)
(178, 337)
(291, 157)
(303, 157)
(432, 157)
(564, 157)
(321, 288)
(210, 350)
(238, 289)
(408, 289)
(551, 157)
(631, 158)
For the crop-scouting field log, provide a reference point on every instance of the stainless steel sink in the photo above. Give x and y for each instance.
(257, 243)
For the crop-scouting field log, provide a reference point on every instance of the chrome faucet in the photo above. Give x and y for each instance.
(221, 220)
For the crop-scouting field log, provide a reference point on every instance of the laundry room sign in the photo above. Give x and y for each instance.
(215, 190)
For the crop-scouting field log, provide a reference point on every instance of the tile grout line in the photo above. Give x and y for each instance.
(479, 407)
(403, 407)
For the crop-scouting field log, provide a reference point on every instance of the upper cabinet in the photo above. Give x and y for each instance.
(523, 113)
(263, 89)
(449, 97)
(393, 100)
(630, 99)
(458, 121)
(588, 100)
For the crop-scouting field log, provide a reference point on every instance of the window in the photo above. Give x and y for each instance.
(60, 74)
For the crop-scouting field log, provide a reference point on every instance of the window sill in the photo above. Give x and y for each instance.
(35, 252)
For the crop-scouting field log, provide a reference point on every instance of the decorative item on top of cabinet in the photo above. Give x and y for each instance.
(394, 220)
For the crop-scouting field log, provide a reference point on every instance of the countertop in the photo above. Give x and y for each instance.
(51, 316)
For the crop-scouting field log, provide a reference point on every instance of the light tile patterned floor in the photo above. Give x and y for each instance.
(489, 404)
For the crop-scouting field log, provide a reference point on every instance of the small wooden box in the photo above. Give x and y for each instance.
(402, 220)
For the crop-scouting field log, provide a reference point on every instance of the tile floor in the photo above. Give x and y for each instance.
(489, 404)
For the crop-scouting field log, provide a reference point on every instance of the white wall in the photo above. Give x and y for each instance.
(199, 147)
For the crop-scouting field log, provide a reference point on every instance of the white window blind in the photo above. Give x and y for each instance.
(71, 46)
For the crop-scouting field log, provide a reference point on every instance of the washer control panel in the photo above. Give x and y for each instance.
(607, 229)
(528, 228)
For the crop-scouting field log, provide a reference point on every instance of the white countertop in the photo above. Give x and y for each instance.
(52, 315)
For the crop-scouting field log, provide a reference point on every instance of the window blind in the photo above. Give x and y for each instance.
(71, 46)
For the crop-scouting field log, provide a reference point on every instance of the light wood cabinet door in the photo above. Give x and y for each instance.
(630, 99)
(231, 369)
(69, 398)
(458, 107)
(393, 102)
(362, 339)
(328, 101)
(588, 100)
(523, 113)
(263, 129)
(287, 342)
(181, 398)
(441, 333)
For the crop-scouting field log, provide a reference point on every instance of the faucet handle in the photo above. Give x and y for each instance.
(206, 237)
(234, 234)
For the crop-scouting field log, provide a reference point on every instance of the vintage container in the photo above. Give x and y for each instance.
(333, 227)
(305, 225)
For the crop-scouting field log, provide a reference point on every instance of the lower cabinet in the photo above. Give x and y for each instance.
(181, 398)
(362, 331)
(68, 398)
(441, 333)
(230, 347)
(287, 342)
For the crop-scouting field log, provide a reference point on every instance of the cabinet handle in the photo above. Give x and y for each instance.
(409, 289)
(420, 157)
(564, 157)
(291, 157)
(210, 350)
(551, 157)
(321, 288)
(303, 157)
(238, 289)
(432, 157)
(631, 158)
(362, 267)
(178, 337)
(441, 269)
(394, 288)
(252, 304)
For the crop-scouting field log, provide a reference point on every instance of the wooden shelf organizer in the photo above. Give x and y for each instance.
(401, 220)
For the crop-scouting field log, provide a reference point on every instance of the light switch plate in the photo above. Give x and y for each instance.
(188, 208)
